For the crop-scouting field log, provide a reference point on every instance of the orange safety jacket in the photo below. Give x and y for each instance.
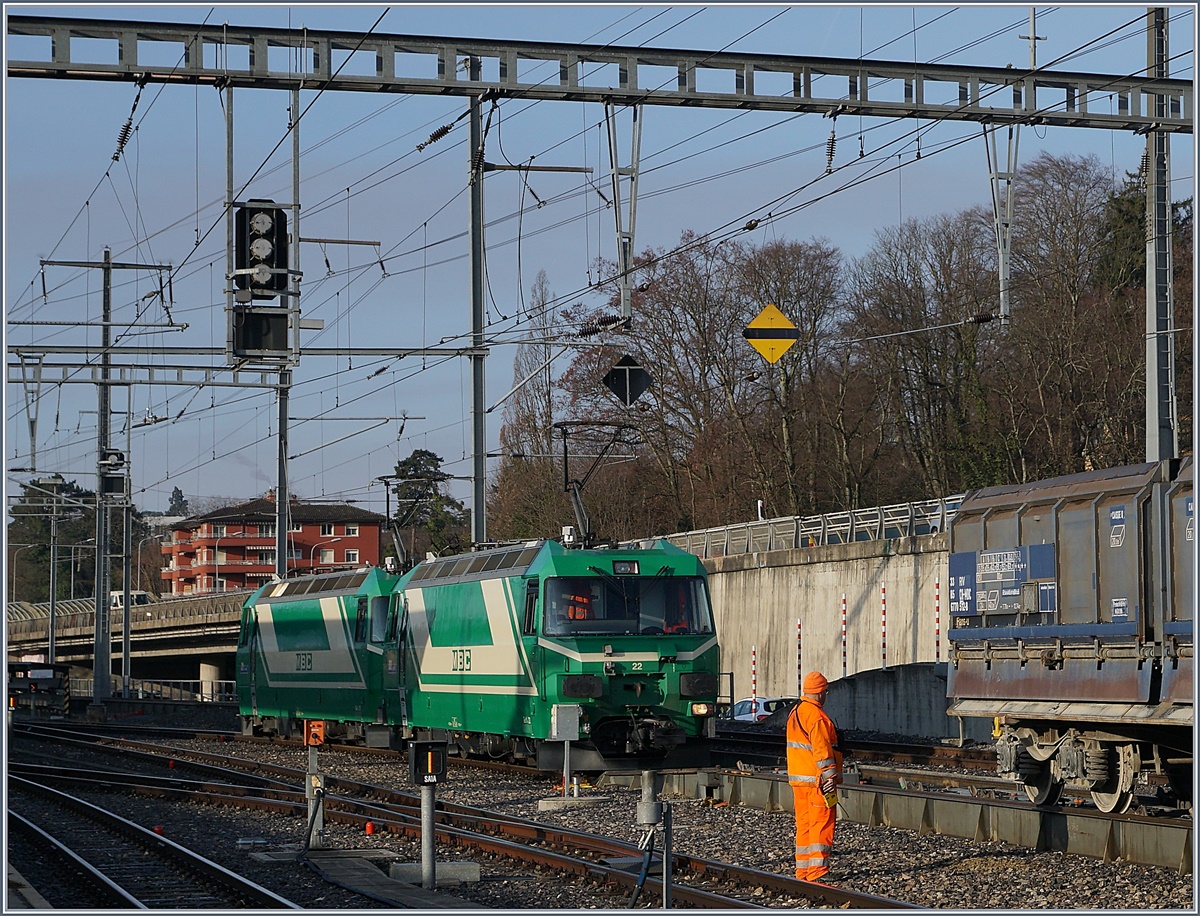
(812, 747)
(579, 607)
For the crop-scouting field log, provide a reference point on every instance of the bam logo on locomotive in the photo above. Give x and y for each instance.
(292, 647)
(453, 649)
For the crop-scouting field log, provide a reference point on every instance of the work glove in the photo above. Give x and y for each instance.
(828, 785)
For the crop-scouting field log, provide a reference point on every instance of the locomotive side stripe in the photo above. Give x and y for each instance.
(687, 656)
(515, 592)
(280, 665)
(504, 656)
(435, 664)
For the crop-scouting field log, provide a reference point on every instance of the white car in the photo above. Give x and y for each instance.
(743, 711)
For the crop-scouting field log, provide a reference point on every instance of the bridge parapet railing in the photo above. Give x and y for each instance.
(196, 691)
(791, 532)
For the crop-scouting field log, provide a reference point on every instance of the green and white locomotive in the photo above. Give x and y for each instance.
(479, 649)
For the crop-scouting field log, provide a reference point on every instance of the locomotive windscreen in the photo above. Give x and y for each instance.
(626, 605)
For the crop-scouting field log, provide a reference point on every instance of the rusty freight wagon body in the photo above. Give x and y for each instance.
(1072, 611)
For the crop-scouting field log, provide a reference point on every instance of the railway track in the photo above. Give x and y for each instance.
(118, 863)
(695, 881)
(769, 748)
(914, 799)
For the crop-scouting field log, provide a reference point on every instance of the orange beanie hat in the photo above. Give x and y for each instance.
(815, 682)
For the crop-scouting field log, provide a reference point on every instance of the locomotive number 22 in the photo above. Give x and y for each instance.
(462, 659)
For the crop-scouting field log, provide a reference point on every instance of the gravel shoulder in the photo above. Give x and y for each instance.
(931, 871)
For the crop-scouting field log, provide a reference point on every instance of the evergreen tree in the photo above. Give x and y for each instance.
(432, 519)
(178, 505)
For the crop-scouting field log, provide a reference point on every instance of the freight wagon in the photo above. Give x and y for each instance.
(493, 651)
(1072, 611)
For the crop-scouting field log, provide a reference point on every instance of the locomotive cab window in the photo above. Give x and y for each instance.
(379, 618)
(247, 628)
(360, 623)
(626, 605)
(531, 596)
(397, 609)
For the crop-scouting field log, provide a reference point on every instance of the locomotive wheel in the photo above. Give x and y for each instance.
(1043, 788)
(1116, 794)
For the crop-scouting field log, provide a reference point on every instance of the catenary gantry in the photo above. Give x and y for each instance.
(224, 55)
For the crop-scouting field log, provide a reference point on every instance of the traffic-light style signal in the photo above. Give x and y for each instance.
(261, 247)
(114, 481)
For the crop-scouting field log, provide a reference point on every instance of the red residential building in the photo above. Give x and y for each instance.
(234, 547)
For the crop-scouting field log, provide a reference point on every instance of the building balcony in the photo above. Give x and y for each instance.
(237, 539)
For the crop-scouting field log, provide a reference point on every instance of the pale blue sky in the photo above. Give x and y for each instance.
(363, 179)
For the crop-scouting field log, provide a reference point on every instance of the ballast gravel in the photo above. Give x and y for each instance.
(930, 871)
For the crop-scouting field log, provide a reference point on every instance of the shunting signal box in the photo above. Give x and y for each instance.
(427, 762)
(314, 732)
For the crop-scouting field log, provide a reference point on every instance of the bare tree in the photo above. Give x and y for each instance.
(525, 497)
(915, 294)
(1072, 379)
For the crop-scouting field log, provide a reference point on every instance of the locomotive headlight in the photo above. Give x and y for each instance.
(703, 709)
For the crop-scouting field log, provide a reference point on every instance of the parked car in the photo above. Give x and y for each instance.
(744, 711)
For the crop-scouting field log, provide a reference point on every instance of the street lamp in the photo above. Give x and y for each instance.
(152, 537)
(13, 569)
(312, 554)
(51, 484)
(74, 562)
(217, 563)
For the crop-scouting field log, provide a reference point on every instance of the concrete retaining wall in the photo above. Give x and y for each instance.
(758, 597)
(903, 700)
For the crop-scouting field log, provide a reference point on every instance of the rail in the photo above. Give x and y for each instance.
(793, 532)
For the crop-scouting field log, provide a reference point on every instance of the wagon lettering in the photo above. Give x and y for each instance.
(462, 659)
(304, 661)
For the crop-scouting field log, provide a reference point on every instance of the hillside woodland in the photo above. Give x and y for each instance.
(902, 385)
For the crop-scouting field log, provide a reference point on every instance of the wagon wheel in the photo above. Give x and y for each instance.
(1115, 795)
(1179, 777)
(1043, 787)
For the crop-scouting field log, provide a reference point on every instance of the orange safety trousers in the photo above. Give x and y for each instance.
(814, 833)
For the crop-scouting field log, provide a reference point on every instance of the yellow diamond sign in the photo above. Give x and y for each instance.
(771, 333)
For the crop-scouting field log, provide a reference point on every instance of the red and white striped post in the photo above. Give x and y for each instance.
(937, 620)
(883, 623)
(843, 634)
(754, 680)
(799, 660)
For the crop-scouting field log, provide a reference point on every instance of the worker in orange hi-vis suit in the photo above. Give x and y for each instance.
(579, 607)
(814, 771)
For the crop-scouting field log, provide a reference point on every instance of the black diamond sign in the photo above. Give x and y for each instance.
(627, 380)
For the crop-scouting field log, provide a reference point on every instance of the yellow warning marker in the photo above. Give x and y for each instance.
(771, 333)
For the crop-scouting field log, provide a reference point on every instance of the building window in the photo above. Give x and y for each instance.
(296, 526)
(326, 555)
(266, 531)
(326, 529)
(217, 531)
(266, 558)
(351, 556)
(352, 531)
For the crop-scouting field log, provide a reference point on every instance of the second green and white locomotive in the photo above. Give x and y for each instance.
(480, 648)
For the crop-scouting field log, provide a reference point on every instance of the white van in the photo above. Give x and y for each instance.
(116, 600)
